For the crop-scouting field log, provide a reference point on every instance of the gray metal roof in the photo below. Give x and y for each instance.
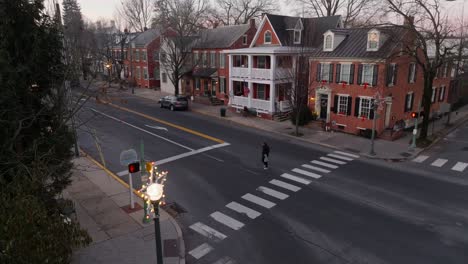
(221, 37)
(313, 28)
(146, 37)
(355, 43)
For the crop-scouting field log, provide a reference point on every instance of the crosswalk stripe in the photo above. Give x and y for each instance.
(439, 162)
(207, 231)
(285, 185)
(201, 250)
(227, 220)
(340, 157)
(122, 173)
(315, 168)
(225, 260)
(346, 154)
(307, 173)
(325, 164)
(460, 166)
(260, 201)
(272, 192)
(295, 178)
(252, 214)
(421, 159)
(333, 160)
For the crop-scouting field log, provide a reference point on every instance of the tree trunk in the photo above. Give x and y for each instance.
(298, 113)
(176, 83)
(426, 103)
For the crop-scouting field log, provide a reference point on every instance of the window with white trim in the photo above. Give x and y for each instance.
(213, 59)
(412, 73)
(325, 72)
(373, 40)
(204, 59)
(342, 104)
(164, 77)
(261, 91)
(197, 83)
(367, 73)
(442, 94)
(364, 107)
(221, 60)
(297, 36)
(137, 72)
(453, 70)
(196, 57)
(222, 85)
(145, 73)
(345, 72)
(433, 96)
(267, 37)
(392, 75)
(328, 45)
(143, 55)
(137, 55)
(409, 101)
(244, 40)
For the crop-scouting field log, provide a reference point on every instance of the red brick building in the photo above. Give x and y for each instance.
(210, 76)
(354, 66)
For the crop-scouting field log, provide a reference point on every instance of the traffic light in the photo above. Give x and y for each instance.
(149, 166)
(134, 167)
(414, 115)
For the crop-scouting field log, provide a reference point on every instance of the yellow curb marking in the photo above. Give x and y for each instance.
(111, 174)
(167, 123)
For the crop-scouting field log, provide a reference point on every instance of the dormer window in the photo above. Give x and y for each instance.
(328, 43)
(297, 36)
(373, 40)
(267, 37)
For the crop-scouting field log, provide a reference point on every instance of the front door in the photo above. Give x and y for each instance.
(323, 106)
(213, 87)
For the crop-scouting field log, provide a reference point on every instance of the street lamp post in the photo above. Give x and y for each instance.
(108, 66)
(155, 193)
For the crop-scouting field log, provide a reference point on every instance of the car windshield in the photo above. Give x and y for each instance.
(181, 99)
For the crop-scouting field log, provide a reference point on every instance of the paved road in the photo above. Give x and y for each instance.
(339, 209)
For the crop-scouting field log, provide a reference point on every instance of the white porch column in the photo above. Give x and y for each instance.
(230, 91)
(272, 97)
(230, 61)
(250, 65)
(272, 67)
(250, 85)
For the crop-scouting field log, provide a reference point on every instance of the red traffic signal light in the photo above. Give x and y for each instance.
(134, 167)
(414, 115)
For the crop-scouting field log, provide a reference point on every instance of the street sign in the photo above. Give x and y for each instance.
(128, 156)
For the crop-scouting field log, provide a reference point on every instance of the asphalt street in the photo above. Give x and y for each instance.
(337, 208)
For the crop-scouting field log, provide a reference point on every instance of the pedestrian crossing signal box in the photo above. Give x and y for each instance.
(414, 115)
(134, 167)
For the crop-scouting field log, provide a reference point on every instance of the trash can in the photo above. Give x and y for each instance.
(223, 112)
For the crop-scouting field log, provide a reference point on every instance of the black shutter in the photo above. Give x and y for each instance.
(371, 112)
(330, 74)
(350, 102)
(389, 75)
(395, 72)
(335, 104)
(356, 106)
(405, 109)
(338, 71)
(376, 75)
(351, 74)
(319, 70)
(359, 74)
(412, 101)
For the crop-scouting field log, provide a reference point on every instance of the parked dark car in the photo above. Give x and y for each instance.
(174, 102)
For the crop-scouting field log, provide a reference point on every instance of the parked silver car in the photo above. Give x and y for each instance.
(174, 102)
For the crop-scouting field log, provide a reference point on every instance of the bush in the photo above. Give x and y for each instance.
(305, 116)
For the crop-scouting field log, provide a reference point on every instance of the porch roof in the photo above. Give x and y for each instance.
(271, 50)
(205, 72)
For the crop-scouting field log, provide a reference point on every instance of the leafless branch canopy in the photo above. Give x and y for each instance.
(235, 12)
(137, 13)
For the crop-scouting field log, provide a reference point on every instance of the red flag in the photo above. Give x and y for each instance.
(344, 84)
(365, 85)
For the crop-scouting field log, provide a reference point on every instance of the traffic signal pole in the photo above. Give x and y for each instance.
(415, 130)
(130, 182)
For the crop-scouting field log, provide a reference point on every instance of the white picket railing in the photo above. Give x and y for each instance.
(263, 74)
(285, 106)
(284, 73)
(240, 101)
(261, 104)
(240, 72)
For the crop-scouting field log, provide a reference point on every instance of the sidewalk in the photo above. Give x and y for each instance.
(118, 233)
(387, 150)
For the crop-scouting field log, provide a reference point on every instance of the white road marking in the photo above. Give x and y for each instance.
(307, 173)
(460, 166)
(333, 160)
(272, 192)
(122, 173)
(207, 231)
(201, 250)
(141, 129)
(190, 153)
(295, 178)
(227, 220)
(439, 162)
(157, 127)
(421, 159)
(225, 260)
(324, 164)
(260, 201)
(346, 154)
(315, 168)
(340, 157)
(285, 185)
(252, 214)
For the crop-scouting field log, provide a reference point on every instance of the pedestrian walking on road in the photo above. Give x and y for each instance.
(265, 155)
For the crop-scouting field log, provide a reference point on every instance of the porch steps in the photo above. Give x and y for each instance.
(216, 101)
(281, 117)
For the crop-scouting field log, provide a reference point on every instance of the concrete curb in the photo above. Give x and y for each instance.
(180, 237)
(446, 131)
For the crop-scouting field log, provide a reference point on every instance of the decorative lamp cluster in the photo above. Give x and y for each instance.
(153, 191)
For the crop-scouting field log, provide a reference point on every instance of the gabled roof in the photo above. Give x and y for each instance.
(146, 37)
(355, 43)
(313, 27)
(221, 37)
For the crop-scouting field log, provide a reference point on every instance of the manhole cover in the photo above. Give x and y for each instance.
(405, 154)
(171, 248)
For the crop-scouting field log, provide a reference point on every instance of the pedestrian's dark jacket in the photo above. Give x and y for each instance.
(265, 150)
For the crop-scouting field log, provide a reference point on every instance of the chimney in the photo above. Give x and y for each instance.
(252, 23)
(408, 21)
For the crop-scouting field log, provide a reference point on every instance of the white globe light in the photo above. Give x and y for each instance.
(154, 191)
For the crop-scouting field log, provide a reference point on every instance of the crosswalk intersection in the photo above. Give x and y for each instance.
(458, 166)
(251, 205)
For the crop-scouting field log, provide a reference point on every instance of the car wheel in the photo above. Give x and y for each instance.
(172, 108)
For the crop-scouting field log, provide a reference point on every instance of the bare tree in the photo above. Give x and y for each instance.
(352, 11)
(183, 18)
(137, 13)
(235, 12)
(427, 43)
